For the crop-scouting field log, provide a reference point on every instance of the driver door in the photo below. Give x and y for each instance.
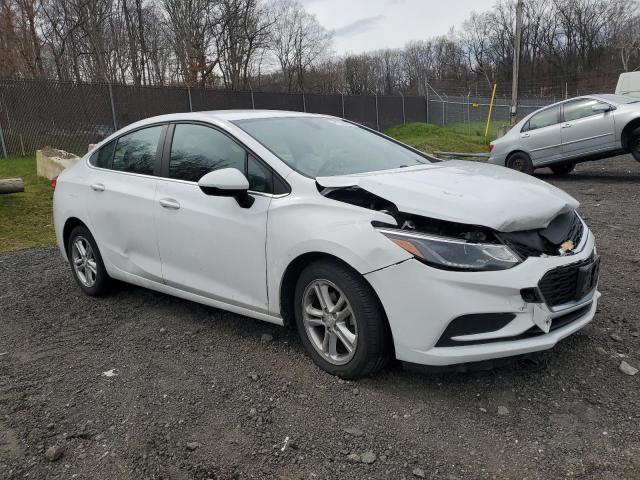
(209, 245)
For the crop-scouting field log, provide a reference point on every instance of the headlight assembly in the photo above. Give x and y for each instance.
(452, 253)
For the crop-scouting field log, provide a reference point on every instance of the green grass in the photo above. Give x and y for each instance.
(25, 218)
(450, 138)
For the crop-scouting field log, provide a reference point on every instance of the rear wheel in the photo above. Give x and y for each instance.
(340, 321)
(634, 144)
(521, 162)
(563, 169)
(86, 262)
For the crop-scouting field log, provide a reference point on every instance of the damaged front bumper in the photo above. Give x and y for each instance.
(422, 304)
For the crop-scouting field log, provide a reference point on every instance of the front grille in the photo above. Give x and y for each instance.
(547, 241)
(560, 285)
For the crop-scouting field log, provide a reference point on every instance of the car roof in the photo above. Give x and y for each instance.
(226, 115)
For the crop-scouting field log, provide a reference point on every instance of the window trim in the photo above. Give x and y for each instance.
(166, 157)
(156, 161)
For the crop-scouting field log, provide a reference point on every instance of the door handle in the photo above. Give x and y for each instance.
(525, 135)
(170, 204)
(97, 187)
(566, 125)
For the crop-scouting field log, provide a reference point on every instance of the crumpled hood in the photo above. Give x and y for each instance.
(465, 192)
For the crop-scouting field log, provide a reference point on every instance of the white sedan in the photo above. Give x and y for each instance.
(371, 249)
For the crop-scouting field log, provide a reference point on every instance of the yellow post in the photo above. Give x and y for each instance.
(493, 96)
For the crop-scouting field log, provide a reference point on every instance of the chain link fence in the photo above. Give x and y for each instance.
(69, 116)
(473, 111)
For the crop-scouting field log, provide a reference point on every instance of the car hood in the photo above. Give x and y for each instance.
(465, 192)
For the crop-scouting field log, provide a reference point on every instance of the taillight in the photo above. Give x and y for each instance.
(54, 182)
(490, 147)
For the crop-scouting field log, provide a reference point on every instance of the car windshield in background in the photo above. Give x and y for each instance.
(318, 147)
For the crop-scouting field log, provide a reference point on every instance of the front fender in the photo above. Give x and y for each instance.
(324, 226)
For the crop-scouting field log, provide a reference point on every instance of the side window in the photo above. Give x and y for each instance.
(545, 118)
(136, 152)
(197, 150)
(579, 109)
(525, 128)
(102, 158)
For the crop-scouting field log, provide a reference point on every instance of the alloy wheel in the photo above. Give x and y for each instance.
(84, 262)
(329, 322)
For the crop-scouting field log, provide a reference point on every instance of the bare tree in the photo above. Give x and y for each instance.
(297, 40)
(242, 32)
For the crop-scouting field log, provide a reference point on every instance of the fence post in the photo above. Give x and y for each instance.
(113, 109)
(304, 103)
(4, 147)
(444, 121)
(427, 99)
(404, 114)
(377, 115)
(253, 103)
(469, 111)
(190, 103)
(2, 143)
(342, 98)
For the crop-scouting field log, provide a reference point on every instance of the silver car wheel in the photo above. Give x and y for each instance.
(329, 322)
(84, 262)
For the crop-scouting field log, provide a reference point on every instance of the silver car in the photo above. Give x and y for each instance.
(581, 129)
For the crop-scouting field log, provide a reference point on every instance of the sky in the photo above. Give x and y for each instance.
(363, 25)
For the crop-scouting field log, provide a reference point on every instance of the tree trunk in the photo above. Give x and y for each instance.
(11, 185)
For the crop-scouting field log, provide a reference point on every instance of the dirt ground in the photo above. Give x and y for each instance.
(199, 393)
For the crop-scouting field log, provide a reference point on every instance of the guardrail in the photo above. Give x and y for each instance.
(454, 155)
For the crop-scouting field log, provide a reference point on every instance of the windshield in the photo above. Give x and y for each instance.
(319, 147)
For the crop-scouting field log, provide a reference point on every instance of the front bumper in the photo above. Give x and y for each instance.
(420, 302)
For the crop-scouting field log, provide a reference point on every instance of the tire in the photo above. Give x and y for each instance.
(563, 169)
(366, 323)
(634, 144)
(92, 281)
(521, 162)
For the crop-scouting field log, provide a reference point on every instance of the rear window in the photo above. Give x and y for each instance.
(103, 157)
(544, 118)
(136, 152)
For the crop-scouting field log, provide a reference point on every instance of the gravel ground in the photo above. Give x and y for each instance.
(194, 392)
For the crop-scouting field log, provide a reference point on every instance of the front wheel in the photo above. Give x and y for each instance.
(340, 320)
(521, 162)
(563, 169)
(86, 262)
(634, 144)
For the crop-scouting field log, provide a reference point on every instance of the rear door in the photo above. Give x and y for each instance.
(585, 131)
(541, 136)
(122, 186)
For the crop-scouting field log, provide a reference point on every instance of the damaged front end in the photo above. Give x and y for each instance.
(465, 247)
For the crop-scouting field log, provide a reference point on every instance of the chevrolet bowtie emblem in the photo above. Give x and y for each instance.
(566, 247)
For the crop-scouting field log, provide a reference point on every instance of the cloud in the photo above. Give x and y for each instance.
(359, 26)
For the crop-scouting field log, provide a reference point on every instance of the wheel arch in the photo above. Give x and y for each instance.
(626, 132)
(69, 225)
(513, 152)
(292, 274)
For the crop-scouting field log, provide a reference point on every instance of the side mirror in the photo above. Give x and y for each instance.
(227, 182)
(602, 107)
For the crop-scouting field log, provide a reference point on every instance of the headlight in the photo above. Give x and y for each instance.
(451, 253)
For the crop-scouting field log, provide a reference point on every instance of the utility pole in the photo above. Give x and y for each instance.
(516, 63)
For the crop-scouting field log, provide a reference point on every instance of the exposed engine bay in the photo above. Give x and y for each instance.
(560, 237)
